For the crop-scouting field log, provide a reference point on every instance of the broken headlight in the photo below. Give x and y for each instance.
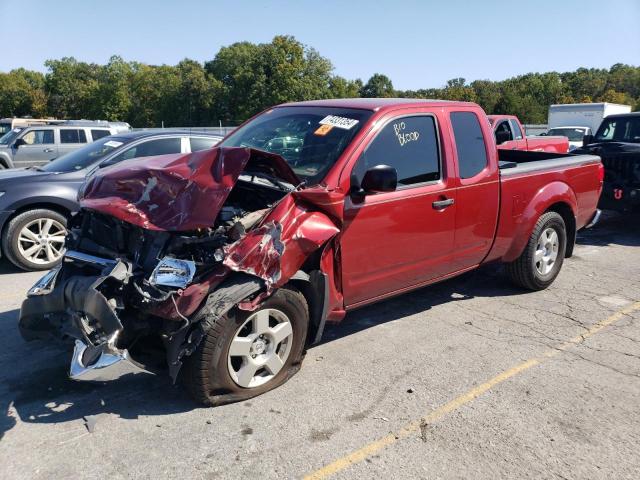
(173, 272)
(45, 284)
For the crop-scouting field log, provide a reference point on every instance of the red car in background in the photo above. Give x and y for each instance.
(510, 135)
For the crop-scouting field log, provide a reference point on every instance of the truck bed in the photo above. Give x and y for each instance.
(531, 179)
(514, 162)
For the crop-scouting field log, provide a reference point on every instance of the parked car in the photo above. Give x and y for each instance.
(36, 202)
(8, 124)
(583, 114)
(37, 145)
(617, 142)
(232, 259)
(509, 135)
(574, 134)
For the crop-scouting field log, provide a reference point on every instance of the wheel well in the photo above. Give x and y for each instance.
(35, 206)
(564, 210)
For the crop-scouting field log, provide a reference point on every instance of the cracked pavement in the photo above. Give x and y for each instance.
(576, 415)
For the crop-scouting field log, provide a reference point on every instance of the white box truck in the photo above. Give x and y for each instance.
(575, 120)
(583, 114)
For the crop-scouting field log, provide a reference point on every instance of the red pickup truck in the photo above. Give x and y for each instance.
(231, 260)
(510, 135)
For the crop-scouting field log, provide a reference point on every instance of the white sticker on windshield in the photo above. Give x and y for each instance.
(339, 122)
(112, 144)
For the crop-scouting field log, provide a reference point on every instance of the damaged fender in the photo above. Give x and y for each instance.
(275, 250)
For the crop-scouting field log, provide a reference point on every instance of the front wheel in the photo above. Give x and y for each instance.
(244, 354)
(540, 262)
(34, 240)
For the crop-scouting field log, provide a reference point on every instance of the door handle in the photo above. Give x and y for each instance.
(48, 150)
(442, 204)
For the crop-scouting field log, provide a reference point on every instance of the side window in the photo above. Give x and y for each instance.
(202, 143)
(38, 137)
(160, 146)
(470, 145)
(98, 134)
(72, 136)
(517, 133)
(503, 131)
(410, 145)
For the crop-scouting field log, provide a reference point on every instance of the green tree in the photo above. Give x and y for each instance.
(72, 87)
(340, 87)
(378, 86)
(254, 77)
(112, 99)
(22, 93)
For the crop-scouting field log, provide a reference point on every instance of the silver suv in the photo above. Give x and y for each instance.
(37, 145)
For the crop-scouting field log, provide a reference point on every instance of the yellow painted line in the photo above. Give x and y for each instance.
(414, 427)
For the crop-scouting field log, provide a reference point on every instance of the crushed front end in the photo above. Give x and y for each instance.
(146, 251)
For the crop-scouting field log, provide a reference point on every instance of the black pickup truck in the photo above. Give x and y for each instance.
(617, 143)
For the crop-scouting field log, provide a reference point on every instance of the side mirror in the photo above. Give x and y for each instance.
(501, 137)
(543, 134)
(587, 139)
(19, 142)
(381, 178)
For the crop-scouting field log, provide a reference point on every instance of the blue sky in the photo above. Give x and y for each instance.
(416, 43)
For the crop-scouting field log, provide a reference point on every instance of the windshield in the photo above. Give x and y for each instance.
(573, 134)
(10, 136)
(620, 129)
(85, 156)
(310, 139)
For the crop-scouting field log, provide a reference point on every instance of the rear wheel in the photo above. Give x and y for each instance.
(540, 262)
(34, 240)
(244, 354)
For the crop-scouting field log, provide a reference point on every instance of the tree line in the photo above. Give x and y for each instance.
(245, 78)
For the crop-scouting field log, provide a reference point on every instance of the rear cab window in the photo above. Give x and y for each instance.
(517, 133)
(470, 143)
(408, 144)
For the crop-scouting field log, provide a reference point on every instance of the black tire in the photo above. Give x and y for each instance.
(10, 246)
(523, 271)
(205, 373)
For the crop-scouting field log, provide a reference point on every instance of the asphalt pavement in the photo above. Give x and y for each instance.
(471, 378)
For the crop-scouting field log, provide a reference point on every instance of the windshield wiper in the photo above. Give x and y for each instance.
(36, 168)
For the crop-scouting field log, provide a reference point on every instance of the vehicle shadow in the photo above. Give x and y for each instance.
(488, 281)
(7, 267)
(613, 229)
(34, 386)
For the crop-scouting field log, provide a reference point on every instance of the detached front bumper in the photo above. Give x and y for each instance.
(74, 306)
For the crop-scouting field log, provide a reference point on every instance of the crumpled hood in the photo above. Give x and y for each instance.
(179, 192)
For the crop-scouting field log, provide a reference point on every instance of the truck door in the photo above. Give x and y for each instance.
(39, 147)
(478, 195)
(395, 240)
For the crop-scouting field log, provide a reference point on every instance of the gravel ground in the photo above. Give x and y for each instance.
(470, 378)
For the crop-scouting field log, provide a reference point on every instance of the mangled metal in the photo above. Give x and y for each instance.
(157, 243)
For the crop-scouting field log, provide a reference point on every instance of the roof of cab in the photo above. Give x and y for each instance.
(376, 104)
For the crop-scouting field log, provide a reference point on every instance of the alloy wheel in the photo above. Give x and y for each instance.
(41, 241)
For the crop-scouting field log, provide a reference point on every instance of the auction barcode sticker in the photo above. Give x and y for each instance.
(339, 122)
